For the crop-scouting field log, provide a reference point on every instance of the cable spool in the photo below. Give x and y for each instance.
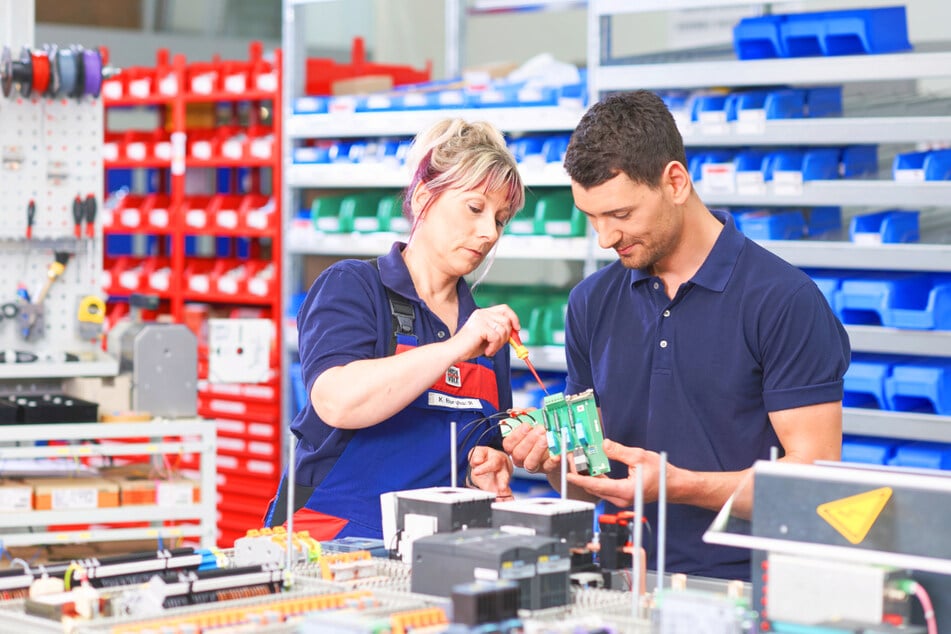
(19, 72)
(80, 86)
(92, 71)
(67, 68)
(41, 71)
(52, 52)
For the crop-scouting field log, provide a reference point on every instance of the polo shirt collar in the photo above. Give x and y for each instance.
(396, 277)
(716, 270)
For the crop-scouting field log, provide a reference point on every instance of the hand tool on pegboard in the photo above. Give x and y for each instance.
(92, 312)
(89, 216)
(31, 312)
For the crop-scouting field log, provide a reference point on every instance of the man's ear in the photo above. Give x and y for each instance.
(677, 181)
(421, 196)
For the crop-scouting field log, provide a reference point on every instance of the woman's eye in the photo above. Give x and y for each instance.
(475, 210)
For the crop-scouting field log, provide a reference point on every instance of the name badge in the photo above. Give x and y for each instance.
(442, 400)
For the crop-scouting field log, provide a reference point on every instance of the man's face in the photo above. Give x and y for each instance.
(640, 223)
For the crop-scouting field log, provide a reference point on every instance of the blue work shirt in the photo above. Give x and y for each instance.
(346, 317)
(697, 376)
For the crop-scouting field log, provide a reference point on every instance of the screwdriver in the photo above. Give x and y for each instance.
(522, 353)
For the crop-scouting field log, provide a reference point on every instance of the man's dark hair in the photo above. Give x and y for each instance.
(631, 132)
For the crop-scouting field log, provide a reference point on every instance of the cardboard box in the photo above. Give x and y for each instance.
(60, 494)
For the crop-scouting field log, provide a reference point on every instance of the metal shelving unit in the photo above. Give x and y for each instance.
(604, 75)
(135, 439)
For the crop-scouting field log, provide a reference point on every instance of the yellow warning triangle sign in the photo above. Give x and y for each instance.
(854, 516)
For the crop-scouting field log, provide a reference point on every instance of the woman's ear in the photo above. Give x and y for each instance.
(420, 198)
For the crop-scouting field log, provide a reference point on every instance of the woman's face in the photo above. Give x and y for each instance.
(460, 227)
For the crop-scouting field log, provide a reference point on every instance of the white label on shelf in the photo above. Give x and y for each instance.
(130, 217)
(168, 85)
(256, 219)
(491, 96)
(163, 150)
(74, 498)
(112, 89)
(342, 104)
(201, 150)
(328, 223)
(787, 183)
(751, 121)
(203, 84)
(259, 391)
(231, 149)
(236, 83)
(910, 176)
(379, 102)
(129, 279)
(366, 224)
(267, 82)
(414, 100)
(135, 151)
(228, 462)
(399, 224)
(719, 177)
(257, 286)
(174, 493)
(558, 227)
(159, 280)
(158, 217)
(451, 98)
(231, 444)
(196, 218)
(140, 87)
(110, 151)
(861, 237)
(262, 148)
(261, 429)
(259, 466)
(228, 285)
(179, 141)
(529, 95)
(713, 123)
(227, 218)
(16, 498)
(750, 183)
(229, 407)
(521, 226)
(229, 426)
(198, 283)
(261, 448)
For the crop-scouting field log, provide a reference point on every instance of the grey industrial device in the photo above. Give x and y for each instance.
(163, 361)
(837, 543)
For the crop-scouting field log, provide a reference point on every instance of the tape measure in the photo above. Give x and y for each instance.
(92, 312)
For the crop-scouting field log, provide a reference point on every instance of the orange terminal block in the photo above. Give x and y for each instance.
(522, 353)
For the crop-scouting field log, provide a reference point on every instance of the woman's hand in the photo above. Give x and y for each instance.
(486, 331)
(491, 470)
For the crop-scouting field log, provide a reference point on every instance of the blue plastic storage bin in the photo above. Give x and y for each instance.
(865, 380)
(820, 220)
(759, 37)
(920, 386)
(868, 450)
(885, 227)
(845, 32)
(827, 281)
(859, 161)
(786, 224)
(696, 162)
(824, 101)
(869, 299)
(929, 311)
(923, 455)
(934, 165)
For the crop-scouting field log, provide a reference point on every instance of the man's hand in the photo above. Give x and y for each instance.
(620, 492)
(491, 470)
(528, 447)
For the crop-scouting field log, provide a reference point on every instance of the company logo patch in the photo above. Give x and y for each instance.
(453, 376)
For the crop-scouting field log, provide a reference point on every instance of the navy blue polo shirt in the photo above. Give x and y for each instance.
(346, 317)
(696, 376)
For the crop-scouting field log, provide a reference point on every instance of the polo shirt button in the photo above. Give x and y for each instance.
(663, 343)
(441, 334)
(666, 313)
(656, 286)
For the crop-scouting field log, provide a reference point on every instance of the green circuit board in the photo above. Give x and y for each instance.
(578, 415)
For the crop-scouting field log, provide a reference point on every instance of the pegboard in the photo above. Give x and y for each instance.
(50, 154)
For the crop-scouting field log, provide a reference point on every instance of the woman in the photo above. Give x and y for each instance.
(394, 350)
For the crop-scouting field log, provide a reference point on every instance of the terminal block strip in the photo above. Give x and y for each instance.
(578, 414)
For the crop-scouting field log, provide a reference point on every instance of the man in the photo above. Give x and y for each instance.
(697, 341)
